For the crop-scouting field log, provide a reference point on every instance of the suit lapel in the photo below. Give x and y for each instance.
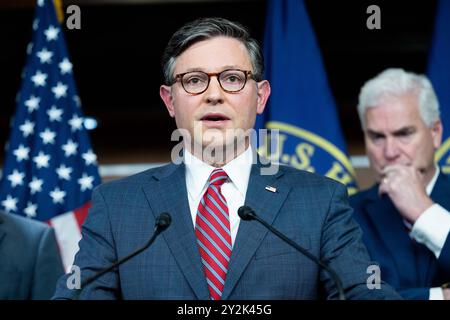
(392, 233)
(250, 234)
(167, 193)
(440, 193)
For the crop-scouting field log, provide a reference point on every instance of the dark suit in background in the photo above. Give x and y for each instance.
(30, 263)
(405, 217)
(408, 266)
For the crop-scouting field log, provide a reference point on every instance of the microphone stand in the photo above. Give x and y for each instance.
(246, 213)
(162, 223)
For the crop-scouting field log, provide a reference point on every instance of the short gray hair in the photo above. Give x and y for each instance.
(396, 82)
(207, 28)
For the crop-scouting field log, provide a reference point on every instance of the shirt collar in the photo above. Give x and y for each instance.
(198, 172)
(238, 170)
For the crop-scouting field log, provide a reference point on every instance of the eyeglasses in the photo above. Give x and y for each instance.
(230, 80)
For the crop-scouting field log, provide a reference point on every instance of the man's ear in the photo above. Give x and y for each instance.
(263, 95)
(436, 133)
(165, 92)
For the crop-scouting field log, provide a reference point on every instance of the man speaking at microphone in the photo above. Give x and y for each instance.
(214, 90)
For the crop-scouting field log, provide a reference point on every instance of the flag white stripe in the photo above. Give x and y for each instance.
(67, 234)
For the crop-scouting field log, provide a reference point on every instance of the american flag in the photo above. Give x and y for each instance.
(50, 168)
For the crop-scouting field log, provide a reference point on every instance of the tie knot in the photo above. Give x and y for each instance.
(218, 177)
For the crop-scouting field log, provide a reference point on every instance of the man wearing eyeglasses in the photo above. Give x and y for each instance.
(214, 89)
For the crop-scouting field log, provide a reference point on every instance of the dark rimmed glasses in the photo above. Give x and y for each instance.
(197, 82)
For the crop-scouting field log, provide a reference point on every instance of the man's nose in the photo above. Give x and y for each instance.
(214, 94)
(391, 149)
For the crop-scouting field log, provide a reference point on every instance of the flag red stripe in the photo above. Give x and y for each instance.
(81, 213)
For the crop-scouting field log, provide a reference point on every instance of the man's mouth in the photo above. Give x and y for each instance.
(214, 117)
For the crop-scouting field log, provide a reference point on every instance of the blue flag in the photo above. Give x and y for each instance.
(439, 74)
(301, 105)
(50, 168)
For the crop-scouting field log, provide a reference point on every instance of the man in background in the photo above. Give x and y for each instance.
(404, 216)
(30, 263)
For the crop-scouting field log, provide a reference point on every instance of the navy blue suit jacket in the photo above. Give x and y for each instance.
(411, 268)
(310, 209)
(30, 263)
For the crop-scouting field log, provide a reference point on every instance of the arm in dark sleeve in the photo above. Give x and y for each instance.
(415, 293)
(48, 267)
(444, 260)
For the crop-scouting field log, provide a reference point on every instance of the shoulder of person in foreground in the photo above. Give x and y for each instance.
(31, 263)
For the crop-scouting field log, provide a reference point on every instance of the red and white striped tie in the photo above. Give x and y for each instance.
(212, 228)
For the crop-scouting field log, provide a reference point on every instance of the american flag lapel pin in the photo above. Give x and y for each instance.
(271, 189)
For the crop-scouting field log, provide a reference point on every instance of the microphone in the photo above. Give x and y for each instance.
(162, 222)
(246, 213)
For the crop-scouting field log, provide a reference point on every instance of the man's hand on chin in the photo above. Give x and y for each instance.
(404, 185)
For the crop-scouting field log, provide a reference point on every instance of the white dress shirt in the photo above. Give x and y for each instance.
(234, 190)
(432, 229)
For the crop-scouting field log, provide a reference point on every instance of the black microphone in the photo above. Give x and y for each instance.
(162, 222)
(246, 213)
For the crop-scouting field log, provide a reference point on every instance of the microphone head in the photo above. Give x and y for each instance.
(163, 221)
(246, 213)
